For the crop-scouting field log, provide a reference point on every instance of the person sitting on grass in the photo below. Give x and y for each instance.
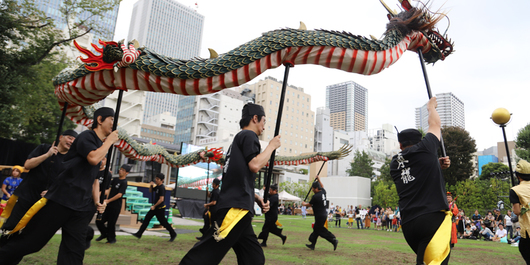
(467, 232)
(500, 233)
(516, 236)
(486, 233)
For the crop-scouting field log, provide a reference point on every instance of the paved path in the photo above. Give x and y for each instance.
(162, 232)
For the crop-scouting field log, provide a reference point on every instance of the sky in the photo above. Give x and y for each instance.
(488, 70)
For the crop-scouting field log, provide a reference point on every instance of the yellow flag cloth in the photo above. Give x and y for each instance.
(439, 247)
(233, 216)
(278, 224)
(7, 210)
(29, 214)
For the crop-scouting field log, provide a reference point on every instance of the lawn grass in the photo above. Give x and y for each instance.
(355, 247)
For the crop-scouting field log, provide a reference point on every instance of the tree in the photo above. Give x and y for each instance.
(459, 147)
(297, 189)
(39, 99)
(523, 143)
(361, 165)
(30, 42)
(385, 171)
(384, 194)
(489, 168)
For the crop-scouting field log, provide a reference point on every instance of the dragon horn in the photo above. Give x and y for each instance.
(390, 11)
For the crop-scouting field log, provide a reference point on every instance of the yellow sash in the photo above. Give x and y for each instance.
(7, 210)
(233, 216)
(29, 214)
(439, 247)
(278, 224)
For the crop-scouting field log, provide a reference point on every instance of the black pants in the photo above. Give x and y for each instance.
(160, 215)
(320, 230)
(419, 232)
(524, 248)
(110, 216)
(19, 210)
(337, 220)
(241, 239)
(269, 227)
(206, 219)
(41, 229)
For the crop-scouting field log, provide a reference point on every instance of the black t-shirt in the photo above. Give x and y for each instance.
(73, 188)
(514, 198)
(318, 202)
(159, 191)
(214, 197)
(272, 214)
(418, 177)
(499, 218)
(476, 217)
(117, 186)
(104, 183)
(238, 180)
(40, 177)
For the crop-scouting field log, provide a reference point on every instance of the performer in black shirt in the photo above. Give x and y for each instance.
(44, 164)
(417, 173)
(118, 186)
(158, 209)
(319, 204)
(71, 200)
(271, 217)
(210, 208)
(235, 207)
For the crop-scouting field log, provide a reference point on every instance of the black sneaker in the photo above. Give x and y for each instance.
(111, 242)
(263, 244)
(335, 244)
(310, 246)
(198, 238)
(137, 235)
(284, 238)
(172, 238)
(101, 237)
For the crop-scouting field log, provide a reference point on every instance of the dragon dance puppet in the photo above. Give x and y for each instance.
(127, 67)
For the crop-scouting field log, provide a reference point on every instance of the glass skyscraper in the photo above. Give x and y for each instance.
(174, 30)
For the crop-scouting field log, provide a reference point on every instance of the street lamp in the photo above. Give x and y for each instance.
(502, 116)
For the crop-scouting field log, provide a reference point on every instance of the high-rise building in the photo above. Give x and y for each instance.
(298, 119)
(384, 140)
(450, 109)
(217, 118)
(174, 30)
(348, 105)
(323, 131)
(106, 24)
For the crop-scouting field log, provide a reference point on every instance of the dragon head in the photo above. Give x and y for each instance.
(423, 20)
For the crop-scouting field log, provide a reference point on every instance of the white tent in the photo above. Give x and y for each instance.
(284, 196)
